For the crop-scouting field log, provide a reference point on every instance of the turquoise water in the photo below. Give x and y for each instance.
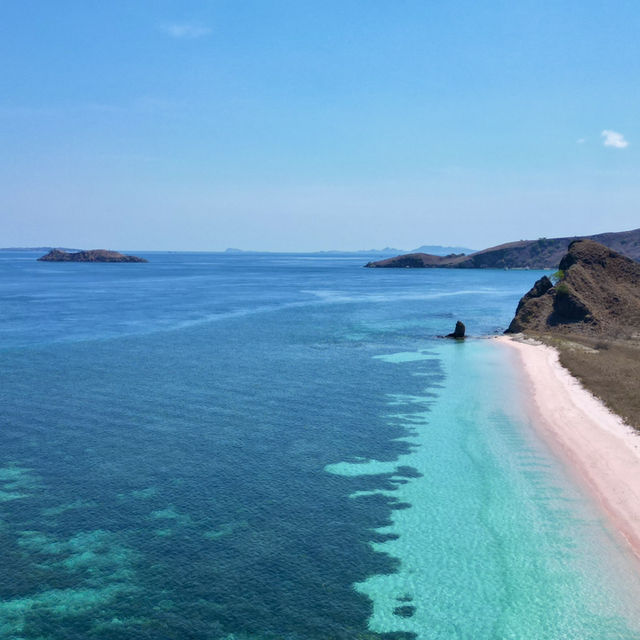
(278, 446)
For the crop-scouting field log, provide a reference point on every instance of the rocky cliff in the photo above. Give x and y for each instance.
(544, 253)
(597, 291)
(95, 255)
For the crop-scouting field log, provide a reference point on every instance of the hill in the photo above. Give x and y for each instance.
(592, 316)
(598, 291)
(544, 253)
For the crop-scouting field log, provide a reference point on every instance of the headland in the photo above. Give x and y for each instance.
(543, 253)
(578, 339)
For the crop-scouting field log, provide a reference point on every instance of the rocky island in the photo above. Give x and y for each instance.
(94, 255)
(544, 253)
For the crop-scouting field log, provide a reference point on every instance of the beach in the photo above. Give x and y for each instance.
(601, 450)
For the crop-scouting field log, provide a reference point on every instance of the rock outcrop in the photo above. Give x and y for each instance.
(597, 292)
(95, 255)
(458, 332)
(544, 253)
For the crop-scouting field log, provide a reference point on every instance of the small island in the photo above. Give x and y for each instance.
(94, 255)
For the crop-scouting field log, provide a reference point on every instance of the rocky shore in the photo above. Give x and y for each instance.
(577, 336)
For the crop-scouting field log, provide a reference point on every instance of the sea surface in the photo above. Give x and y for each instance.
(270, 446)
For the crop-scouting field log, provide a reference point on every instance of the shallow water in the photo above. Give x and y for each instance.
(277, 446)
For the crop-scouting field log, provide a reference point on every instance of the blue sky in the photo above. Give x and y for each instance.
(295, 125)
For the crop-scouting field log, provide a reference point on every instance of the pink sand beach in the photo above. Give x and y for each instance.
(601, 449)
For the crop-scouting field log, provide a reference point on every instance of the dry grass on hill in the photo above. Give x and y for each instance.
(609, 368)
(592, 316)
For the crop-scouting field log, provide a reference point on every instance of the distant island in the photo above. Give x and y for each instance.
(94, 255)
(31, 249)
(439, 250)
(434, 249)
(544, 253)
(385, 251)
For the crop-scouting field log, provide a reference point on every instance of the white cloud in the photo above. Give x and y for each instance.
(581, 140)
(614, 139)
(185, 31)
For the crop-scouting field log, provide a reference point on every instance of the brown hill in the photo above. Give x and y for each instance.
(544, 253)
(94, 255)
(597, 292)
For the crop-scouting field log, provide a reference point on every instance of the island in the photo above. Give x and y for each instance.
(94, 255)
(543, 253)
(591, 315)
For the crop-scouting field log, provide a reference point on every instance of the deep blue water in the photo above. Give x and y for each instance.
(278, 446)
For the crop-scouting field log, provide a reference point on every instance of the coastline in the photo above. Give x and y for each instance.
(601, 449)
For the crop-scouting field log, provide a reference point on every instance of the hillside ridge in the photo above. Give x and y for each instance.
(596, 291)
(544, 253)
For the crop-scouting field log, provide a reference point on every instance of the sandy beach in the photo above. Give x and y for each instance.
(602, 450)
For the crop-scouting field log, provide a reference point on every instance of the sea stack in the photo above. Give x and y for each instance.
(543, 253)
(458, 332)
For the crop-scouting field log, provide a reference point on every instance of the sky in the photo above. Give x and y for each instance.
(290, 125)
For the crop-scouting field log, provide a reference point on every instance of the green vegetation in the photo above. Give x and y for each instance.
(557, 276)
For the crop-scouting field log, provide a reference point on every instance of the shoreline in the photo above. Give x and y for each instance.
(601, 449)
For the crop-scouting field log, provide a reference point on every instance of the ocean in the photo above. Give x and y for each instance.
(279, 446)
